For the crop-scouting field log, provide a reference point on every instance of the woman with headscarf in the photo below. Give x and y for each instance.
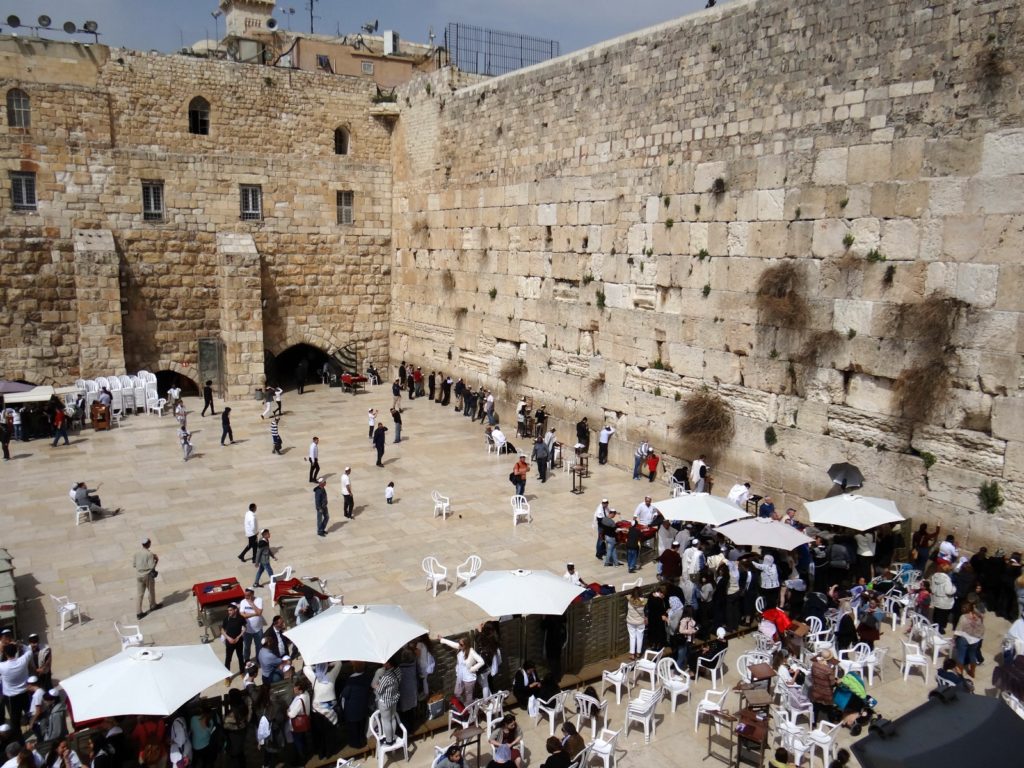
(322, 677)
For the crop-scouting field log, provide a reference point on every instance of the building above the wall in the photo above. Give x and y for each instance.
(254, 35)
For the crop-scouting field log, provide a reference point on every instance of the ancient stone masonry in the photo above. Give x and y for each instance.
(104, 122)
(610, 219)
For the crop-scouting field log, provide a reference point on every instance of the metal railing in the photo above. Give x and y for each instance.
(490, 52)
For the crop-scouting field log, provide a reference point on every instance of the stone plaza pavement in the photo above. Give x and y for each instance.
(193, 513)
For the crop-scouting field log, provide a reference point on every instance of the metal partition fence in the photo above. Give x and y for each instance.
(489, 52)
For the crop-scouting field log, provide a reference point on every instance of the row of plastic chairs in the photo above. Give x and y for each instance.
(128, 393)
(437, 574)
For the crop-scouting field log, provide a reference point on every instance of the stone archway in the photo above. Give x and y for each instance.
(313, 337)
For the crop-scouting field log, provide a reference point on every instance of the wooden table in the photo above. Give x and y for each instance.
(751, 737)
(578, 473)
(212, 599)
(463, 737)
(761, 673)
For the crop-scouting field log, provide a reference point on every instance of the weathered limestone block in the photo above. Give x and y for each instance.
(830, 167)
(856, 425)
(1008, 418)
(962, 448)
(1002, 153)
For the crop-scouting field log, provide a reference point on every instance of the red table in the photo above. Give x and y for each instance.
(353, 383)
(212, 598)
(285, 597)
(622, 527)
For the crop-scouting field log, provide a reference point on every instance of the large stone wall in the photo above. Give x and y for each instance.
(103, 121)
(568, 215)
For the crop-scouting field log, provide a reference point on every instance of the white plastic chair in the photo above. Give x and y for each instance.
(628, 585)
(936, 642)
(798, 709)
(520, 508)
(500, 447)
(759, 606)
(765, 644)
(156, 405)
(491, 447)
(442, 505)
(648, 665)
(66, 608)
(852, 659)
(712, 666)
(130, 635)
(589, 708)
(896, 606)
(401, 738)
(823, 738)
(795, 739)
(552, 708)
(873, 663)
(436, 573)
(469, 569)
(673, 680)
(623, 676)
(84, 509)
(713, 702)
(642, 710)
(492, 708)
(604, 746)
(465, 718)
(912, 657)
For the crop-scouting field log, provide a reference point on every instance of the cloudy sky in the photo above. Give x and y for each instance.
(166, 24)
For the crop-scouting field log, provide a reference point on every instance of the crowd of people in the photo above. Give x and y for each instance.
(707, 590)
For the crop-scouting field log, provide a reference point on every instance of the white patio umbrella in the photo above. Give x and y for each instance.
(502, 593)
(700, 508)
(851, 511)
(764, 532)
(355, 633)
(143, 681)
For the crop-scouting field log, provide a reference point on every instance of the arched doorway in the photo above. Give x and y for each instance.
(282, 370)
(166, 379)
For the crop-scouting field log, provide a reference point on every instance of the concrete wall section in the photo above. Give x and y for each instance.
(607, 218)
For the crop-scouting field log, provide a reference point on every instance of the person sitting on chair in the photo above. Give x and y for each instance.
(84, 496)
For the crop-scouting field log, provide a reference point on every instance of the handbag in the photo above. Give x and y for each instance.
(301, 723)
(512, 477)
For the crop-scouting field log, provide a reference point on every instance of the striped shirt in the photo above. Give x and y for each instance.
(388, 687)
(274, 432)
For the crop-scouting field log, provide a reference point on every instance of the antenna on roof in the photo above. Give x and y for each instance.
(371, 26)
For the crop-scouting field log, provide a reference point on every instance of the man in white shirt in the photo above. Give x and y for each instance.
(739, 494)
(602, 443)
(645, 512)
(346, 492)
(251, 609)
(14, 674)
(572, 576)
(250, 527)
(314, 459)
(499, 439)
(35, 705)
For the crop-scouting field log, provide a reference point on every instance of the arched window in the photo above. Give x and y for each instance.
(199, 116)
(19, 109)
(341, 141)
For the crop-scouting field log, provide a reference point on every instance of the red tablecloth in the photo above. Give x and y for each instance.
(348, 378)
(286, 589)
(219, 592)
(622, 529)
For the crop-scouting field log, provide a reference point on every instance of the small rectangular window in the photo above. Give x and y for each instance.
(23, 190)
(324, 62)
(367, 67)
(152, 201)
(345, 204)
(251, 196)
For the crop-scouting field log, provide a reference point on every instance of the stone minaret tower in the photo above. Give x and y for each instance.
(243, 18)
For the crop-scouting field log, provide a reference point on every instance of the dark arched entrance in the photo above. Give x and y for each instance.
(167, 379)
(282, 370)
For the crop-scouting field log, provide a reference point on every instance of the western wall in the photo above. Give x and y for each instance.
(610, 218)
(91, 287)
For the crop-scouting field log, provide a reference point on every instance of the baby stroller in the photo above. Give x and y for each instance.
(855, 704)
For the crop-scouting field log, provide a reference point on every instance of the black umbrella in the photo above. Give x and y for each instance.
(962, 731)
(846, 475)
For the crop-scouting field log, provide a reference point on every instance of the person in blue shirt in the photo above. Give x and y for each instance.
(767, 508)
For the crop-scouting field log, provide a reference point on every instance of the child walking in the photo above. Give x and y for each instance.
(389, 492)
